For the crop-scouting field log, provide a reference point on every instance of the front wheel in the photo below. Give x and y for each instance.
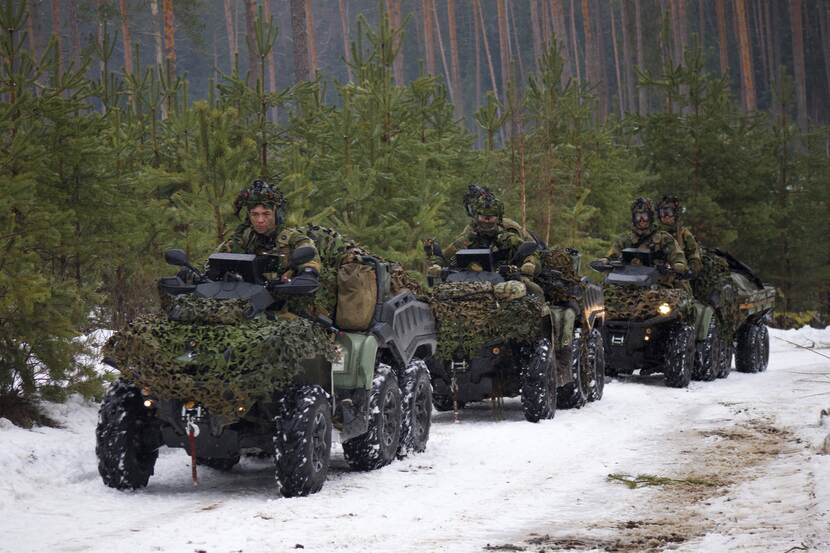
(575, 393)
(752, 354)
(416, 402)
(725, 359)
(302, 441)
(595, 359)
(126, 439)
(707, 354)
(539, 383)
(679, 356)
(379, 445)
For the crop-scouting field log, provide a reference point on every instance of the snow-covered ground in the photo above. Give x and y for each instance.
(743, 455)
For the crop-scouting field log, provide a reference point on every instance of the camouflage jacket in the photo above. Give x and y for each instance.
(509, 237)
(686, 240)
(279, 242)
(662, 246)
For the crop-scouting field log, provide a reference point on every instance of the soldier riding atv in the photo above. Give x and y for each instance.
(240, 361)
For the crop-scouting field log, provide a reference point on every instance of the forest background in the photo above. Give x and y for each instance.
(128, 126)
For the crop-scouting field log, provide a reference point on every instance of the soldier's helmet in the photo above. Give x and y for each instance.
(641, 208)
(670, 205)
(261, 193)
(480, 201)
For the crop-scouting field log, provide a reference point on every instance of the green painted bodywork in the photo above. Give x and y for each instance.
(703, 316)
(358, 361)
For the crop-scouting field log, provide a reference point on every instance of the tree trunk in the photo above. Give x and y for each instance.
(126, 41)
(723, 44)
(56, 32)
(701, 23)
(483, 28)
(575, 42)
(312, 41)
(590, 47)
(770, 48)
(620, 95)
(642, 97)
(516, 46)
(504, 45)
(824, 26)
(680, 29)
(797, 28)
(272, 65)
(393, 9)
(169, 38)
(477, 35)
(444, 63)
(536, 31)
(30, 29)
(250, 41)
(429, 35)
(456, 69)
(628, 74)
(344, 31)
(75, 36)
(546, 25)
(745, 48)
(598, 56)
(299, 37)
(231, 34)
(560, 28)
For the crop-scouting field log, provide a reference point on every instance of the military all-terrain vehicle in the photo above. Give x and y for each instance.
(742, 305)
(229, 368)
(496, 340)
(650, 327)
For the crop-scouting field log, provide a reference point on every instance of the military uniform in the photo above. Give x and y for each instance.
(503, 243)
(278, 242)
(686, 240)
(661, 245)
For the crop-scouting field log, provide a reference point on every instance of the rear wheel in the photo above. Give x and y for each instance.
(725, 359)
(752, 353)
(126, 438)
(575, 394)
(416, 402)
(539, 383)
(595, 358)
(378, 446)
(707, 354)
(302, 441)
(679, 356)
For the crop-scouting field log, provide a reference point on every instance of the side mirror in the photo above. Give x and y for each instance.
(526, 249)
(301, 256)
(176, 257)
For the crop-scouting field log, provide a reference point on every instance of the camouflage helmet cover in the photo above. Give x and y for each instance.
(260, 193)
(480, 201)
(642, 205)
(672, 202)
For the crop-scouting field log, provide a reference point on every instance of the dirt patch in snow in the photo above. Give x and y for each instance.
(712, 460)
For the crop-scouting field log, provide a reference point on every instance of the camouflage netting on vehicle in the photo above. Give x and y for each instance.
(714, 285)
(468, 315)
(221, 365)
(559, 289)
(640, 304)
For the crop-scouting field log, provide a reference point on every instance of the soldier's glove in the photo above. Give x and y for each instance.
(528, 269)
(434, 271)
(305, 283)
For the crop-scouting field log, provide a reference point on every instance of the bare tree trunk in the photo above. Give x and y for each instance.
(560, 27)
(641, 64)
(755, 8)
(477, 34)
(680, 28)
(154, 12)
(393, 10)
(444, 63)
(620, 95)
(516, 47)
(125, 36)
(723, 44)
(56, 32)
(628, 74)
(701, 22)
(250, 41)
(824, 26)
(770, 48)
(575, 42)
(169, 37)
(344, 30)
(299, 28)
(477, 8)
(546, 25)
(312, 41)
(747, 78)
(75, 35)
(797, 27)
(272, 65)
(590, 47)
(456, 69)
(536, 31)
(231, 33)
(30, 29)
(603, 86)
(504, 45)
(429, 35)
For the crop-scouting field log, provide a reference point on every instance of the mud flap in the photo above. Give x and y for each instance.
(703, 316)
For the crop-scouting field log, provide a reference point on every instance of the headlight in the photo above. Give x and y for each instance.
(664, 309)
